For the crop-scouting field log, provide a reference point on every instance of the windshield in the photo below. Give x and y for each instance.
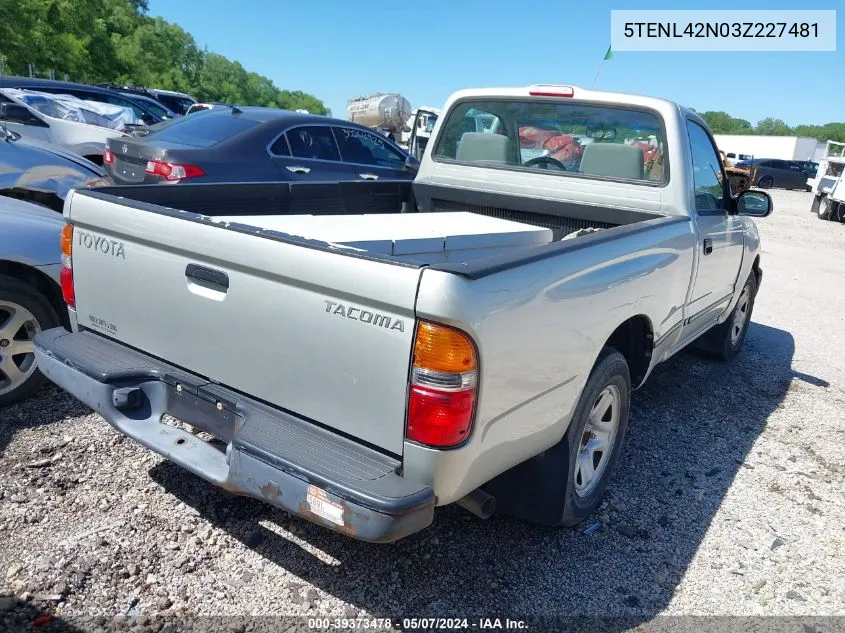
(569, 138)
(153, 106)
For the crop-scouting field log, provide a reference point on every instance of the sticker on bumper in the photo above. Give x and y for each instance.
(320, 504)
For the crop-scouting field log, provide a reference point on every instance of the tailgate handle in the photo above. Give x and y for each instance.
(216, 278)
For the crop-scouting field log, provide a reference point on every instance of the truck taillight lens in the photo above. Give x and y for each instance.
(444, 381)
(108, 157)
(66, 274)
(172, 171)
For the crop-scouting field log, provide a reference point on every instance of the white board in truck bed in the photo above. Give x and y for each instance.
(421, 237)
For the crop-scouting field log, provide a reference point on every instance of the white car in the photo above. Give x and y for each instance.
(79, 126)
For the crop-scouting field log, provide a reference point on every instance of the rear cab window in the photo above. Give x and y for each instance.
(204, 130)
(566, 138)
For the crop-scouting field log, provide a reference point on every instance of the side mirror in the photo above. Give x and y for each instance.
(412, 164)
(754, 203)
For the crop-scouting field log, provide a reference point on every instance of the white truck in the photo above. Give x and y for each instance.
(364, 352)
(828, 186)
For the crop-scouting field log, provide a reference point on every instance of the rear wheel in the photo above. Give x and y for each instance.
(824, 208)
(765, 182)
(24, 312)
(565, 484)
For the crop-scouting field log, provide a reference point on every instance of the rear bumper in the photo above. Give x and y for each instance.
(263, 453)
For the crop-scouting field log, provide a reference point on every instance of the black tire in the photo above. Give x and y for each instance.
(824, 208)
(765, 182)
(814, 207)
(721, 341)
(14, 291)
(543, 489)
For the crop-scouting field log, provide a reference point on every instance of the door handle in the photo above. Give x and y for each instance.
(369, 176)
(297, 169)
(708, 246)
(215, 279)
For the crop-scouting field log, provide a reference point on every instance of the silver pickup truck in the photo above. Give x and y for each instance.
(360, 353)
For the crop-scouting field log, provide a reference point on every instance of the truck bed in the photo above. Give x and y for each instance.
(260, 207)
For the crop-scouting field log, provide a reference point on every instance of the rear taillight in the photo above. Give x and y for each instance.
(66, 275)
(108, 157)
(173, 171)
(551, 90)
(444, 380)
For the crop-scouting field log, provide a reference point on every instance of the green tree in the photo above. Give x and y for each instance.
(724, 123)
(773, 127)
(116, 41)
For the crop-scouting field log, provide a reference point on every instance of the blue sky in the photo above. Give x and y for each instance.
(338, 49)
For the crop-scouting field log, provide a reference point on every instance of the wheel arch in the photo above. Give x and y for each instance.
(634, 339)
(41, 282)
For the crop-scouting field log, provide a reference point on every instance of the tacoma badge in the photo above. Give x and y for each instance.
(365, 316)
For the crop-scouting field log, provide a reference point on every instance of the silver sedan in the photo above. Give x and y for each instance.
(30, 291)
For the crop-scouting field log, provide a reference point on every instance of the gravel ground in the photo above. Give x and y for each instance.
(729, 501)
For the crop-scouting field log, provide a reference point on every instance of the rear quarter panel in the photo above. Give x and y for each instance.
(539, 329)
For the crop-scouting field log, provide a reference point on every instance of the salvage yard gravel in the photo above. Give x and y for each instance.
(729, 500)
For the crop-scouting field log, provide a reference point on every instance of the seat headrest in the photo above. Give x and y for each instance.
(475, 147)
(613, 161)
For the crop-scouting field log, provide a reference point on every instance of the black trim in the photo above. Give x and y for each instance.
(112, 195)
(700, 313)
(479, 268)
(426, 193)
(669, 333)
(269, 198)
(210, 276)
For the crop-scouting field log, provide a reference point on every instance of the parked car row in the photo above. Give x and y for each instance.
(175, 102)
(79, 117)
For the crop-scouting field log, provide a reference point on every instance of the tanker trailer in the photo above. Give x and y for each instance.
(387, 112)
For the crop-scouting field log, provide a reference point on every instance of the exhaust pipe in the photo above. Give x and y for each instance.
(479, 503)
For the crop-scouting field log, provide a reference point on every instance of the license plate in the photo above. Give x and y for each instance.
(320, 504)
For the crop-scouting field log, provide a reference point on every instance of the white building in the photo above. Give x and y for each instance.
(783, 147)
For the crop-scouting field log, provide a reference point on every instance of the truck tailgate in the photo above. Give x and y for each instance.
(319, 334)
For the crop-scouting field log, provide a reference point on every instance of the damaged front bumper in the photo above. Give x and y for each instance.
(269, 454)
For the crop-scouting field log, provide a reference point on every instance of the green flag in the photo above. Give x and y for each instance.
(608, 54)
